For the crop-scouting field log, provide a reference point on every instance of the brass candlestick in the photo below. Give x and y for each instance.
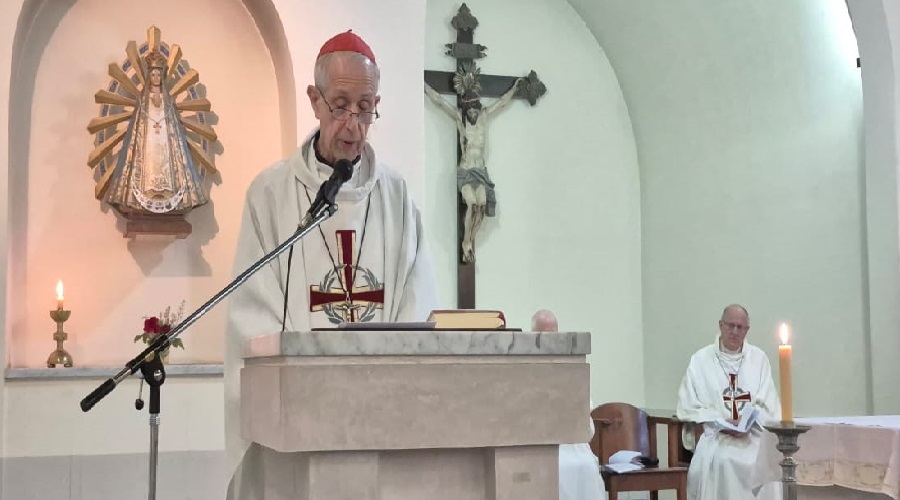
(60, 356)
(788, 434)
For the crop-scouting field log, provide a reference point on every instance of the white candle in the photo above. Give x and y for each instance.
(784, 365)
(59, 295)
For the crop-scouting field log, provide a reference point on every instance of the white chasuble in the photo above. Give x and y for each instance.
(579, 469)
(343, 258)
(359, 267)
(721, 385)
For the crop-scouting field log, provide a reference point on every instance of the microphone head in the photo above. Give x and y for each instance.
(343, 170)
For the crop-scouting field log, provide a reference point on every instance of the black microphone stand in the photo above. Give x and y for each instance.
(154, 374)
(149, 361)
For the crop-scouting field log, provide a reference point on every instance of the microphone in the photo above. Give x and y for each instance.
(343, 170)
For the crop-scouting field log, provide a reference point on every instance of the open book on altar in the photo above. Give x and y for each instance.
(748, 418)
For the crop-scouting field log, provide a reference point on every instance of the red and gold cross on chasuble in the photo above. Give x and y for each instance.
(734, 395)
(345, 298)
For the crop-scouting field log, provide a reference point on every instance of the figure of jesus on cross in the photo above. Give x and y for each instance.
(472, 177)
(475, 189)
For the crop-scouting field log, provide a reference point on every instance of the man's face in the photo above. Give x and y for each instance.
(352, 86)
(472, 114)
(733, 329)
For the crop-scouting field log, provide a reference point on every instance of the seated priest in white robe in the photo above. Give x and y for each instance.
(579, 468)
(367, 263)
(723, 380)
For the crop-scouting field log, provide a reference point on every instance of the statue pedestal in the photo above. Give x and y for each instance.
(412, 415)
(158, 224)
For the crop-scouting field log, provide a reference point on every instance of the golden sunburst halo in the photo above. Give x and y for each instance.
(119, 100)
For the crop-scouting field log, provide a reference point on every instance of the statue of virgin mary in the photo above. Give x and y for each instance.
(154, 171)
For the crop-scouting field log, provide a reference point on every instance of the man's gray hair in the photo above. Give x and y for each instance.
(735, 306)
(320, 72)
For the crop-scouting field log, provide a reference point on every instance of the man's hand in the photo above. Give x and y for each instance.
(521, 85)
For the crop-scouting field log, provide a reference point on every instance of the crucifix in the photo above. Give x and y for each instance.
(475, 194)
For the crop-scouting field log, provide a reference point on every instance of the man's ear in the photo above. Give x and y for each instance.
(313, 95)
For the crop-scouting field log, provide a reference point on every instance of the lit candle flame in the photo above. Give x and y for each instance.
(59, 290)
(784, 333)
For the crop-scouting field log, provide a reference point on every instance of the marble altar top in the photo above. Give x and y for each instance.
(418, 343)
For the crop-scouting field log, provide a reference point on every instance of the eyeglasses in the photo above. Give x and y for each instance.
(344, 114)
(734, 326)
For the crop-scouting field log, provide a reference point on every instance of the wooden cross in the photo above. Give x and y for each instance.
(467, 75)
(732, 396)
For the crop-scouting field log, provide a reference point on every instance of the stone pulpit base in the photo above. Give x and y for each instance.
(391, 415)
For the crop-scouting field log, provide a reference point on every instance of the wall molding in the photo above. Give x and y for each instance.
(174, 370)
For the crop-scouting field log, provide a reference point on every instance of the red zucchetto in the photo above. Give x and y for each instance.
(348, 42)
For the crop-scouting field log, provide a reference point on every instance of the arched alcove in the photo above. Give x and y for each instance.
(60, 57)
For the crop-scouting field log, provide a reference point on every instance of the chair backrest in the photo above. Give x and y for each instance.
(619, 426)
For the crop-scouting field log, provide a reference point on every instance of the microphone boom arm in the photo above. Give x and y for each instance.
(162, 341)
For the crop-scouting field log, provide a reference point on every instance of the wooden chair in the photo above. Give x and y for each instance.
(621, 426)
(677, 454)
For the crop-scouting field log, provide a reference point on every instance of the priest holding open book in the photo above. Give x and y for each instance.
(729, 393)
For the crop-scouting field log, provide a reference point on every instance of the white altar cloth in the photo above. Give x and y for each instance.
(861, 453)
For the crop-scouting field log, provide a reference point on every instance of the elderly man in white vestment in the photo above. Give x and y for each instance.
(367, 263)
(723, 380)
(579, 469)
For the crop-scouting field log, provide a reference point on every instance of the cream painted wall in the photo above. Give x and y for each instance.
(877, 25)
(9, 14)
(566, 236)
(748, 122)
(48, 422)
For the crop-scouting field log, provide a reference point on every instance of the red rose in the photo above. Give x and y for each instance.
(165, 329)
(151, 325)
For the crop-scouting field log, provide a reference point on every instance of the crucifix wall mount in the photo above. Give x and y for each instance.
(476, 198)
